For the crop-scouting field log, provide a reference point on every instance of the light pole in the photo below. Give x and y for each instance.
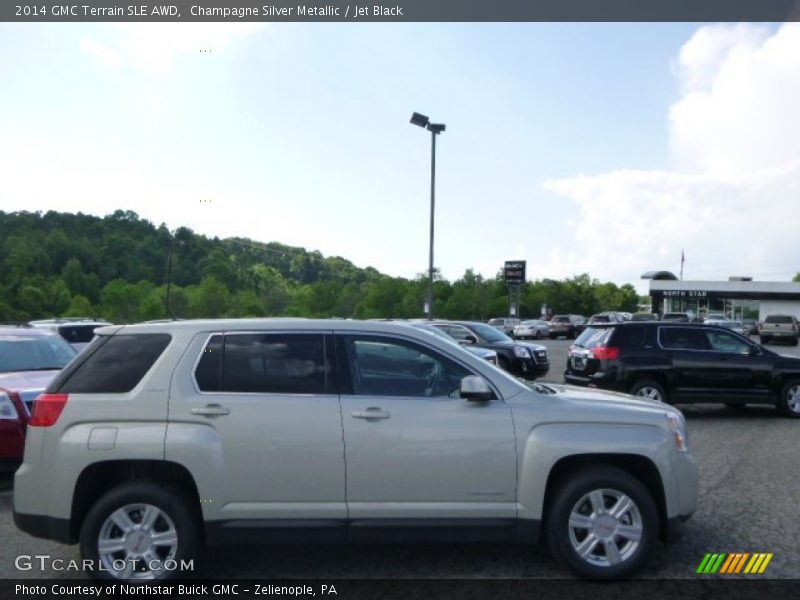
(435, 129)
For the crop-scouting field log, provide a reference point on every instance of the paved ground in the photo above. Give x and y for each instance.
(750, 486)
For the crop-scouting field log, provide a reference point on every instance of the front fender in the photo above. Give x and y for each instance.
(545, 445)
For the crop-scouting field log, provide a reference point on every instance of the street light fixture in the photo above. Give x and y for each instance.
(435, 129)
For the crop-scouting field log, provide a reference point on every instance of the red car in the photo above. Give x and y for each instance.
(29, 359)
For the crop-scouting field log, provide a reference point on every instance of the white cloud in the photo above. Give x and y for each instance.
(731, 198)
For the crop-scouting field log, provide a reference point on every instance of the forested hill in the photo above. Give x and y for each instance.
(115, 267)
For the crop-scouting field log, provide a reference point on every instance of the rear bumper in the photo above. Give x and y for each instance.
(598, 380)
(42, 526)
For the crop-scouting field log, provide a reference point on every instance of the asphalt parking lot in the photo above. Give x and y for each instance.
(749, 494)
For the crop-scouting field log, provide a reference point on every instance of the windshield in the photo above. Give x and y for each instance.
(490, 334)
(33, 353)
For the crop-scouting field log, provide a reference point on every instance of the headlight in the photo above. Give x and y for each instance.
(521, 352)
(677, 426)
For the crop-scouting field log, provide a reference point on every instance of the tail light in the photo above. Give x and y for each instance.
(46, 409)
(605, 353)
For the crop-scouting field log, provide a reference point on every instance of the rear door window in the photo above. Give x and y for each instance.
(779, 320)
(264, 363)
(116, 365)
(683, 338)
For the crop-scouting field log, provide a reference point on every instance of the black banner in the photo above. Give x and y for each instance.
(405, 10)
(406, 589)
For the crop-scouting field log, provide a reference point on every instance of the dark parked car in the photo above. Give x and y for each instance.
(29, 359)
(644, 317)
(684, 362)
(606, 317)
(568, 326)
(78, 331)
(678, 317)
(523, 359)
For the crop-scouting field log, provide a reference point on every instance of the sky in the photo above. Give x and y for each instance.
(600, 148)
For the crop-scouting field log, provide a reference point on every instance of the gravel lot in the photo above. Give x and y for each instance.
(750, 485)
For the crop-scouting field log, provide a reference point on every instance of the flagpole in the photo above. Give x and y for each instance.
(682, 260)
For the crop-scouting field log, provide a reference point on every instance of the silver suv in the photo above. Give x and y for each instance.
(162, 437)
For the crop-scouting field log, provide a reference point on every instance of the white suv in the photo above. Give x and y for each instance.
(161, 437)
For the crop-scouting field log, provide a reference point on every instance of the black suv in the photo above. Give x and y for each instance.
(684, 362)
(523, 359)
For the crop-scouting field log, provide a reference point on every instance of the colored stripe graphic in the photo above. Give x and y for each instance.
(740, 564)
(766, 562)
(703, 563)
(734, 562)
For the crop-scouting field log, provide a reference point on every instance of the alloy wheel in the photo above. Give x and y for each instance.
(135, 541)
(605, 527)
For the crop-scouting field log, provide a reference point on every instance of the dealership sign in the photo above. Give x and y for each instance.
(684, 293)
(514, 272)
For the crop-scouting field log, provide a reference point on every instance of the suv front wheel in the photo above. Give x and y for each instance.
(139, 531)
(603, 524)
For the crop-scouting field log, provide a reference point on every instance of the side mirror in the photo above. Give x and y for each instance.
(475, 389)
(755, 350)
(469, 339)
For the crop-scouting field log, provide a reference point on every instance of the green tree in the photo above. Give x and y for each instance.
(79, 306)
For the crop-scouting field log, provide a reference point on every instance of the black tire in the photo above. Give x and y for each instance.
(794, 341)
(569, 497)
(788, 406)
(764, 340)
(649, 389)
(169, 499)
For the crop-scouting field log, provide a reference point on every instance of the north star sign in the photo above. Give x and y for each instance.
(685, 293)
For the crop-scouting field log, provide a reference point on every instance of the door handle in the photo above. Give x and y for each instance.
(373, 412)
(211, 410)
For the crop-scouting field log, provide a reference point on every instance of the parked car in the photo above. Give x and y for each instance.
(533, 329)
(567, 326)
(504, 324)
(779, 327)
(524, 359)
(606, 317)
(715, 317)
(29, 359)
(644, 317)
(259, 429)
(752, 325)
(736, 326)
(680, 317)
(684, 362)
(77, 331)
(484, 353)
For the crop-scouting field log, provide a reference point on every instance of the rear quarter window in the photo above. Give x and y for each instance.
(116, 365)
(593, 337)
(628, 337)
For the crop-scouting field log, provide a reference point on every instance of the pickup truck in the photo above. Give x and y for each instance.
(779, 327)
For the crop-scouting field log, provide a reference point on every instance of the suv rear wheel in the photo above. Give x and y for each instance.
(789, 401)
(139, 531)
(648, 388)
(603, 524)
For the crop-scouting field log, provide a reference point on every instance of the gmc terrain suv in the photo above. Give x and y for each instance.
(684, 362)
(161, 437)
